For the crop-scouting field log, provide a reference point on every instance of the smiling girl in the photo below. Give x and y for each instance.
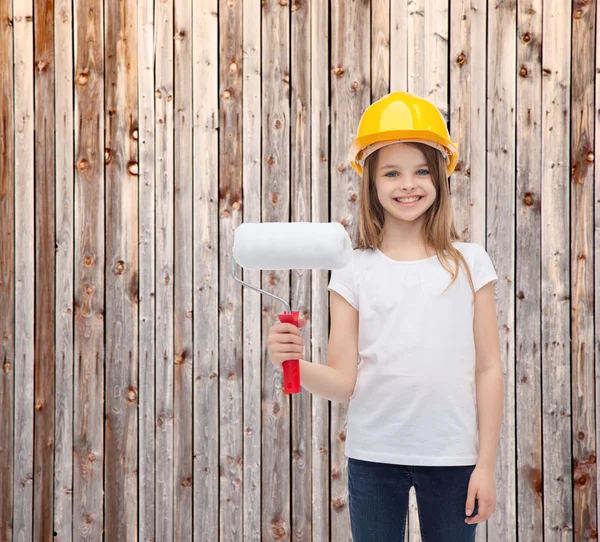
(413, 342)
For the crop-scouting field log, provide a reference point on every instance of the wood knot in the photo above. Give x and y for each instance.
(226, 94)
(461, 59)
(42, 64)
(581, 480)
(107, 156)
(119, 267)
(38, 405)
(187, 482)
(89, 289)
(131, 394)
(578, 14)
(286, 77)
(270, 161)
(83, 164)
(528, 199)
(82, 79)
(236, 205)
(526, 37)
(276, 408)
(581, 435)
(277, 123)
(338, 70)
(91, 457)
(589, 157)
(6, 367)
(355, 85)
(233, 66)
(523, 71)
(274, 197)
(278, 529)
(521, 295)
(342, 435)
(341, 167)
(133, 168)
(338, 504)
(458, 166)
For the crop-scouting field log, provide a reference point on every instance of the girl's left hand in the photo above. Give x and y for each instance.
(483, 488)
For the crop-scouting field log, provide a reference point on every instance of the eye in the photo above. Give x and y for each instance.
(391, 173)
(423, 172)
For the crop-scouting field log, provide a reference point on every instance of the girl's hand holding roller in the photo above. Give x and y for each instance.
(285, 342)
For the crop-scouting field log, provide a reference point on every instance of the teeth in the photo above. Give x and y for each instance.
(408, 200)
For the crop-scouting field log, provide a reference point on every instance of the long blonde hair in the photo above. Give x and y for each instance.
(439, 231)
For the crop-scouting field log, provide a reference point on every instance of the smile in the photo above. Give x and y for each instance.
(408, 202)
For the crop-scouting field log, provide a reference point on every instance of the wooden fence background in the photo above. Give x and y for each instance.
(136, 397)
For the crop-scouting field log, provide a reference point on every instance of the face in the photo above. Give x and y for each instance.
(404, 184)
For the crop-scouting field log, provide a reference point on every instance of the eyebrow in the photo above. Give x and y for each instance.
(392, 166)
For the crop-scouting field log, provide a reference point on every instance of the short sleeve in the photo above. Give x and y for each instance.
(483, 269)
(343, 282)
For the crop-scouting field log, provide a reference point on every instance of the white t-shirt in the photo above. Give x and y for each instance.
(414, 402)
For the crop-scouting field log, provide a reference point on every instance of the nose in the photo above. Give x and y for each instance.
(407, 183)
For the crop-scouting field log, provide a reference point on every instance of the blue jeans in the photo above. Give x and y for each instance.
(378, 497)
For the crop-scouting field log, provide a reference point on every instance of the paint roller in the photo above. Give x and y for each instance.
(285, 246)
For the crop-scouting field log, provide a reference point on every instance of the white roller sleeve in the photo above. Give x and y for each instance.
(292, 245)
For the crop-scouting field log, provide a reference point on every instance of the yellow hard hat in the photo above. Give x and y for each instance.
(401, 117)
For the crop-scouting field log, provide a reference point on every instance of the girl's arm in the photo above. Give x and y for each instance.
(488, 376)
(336, 380)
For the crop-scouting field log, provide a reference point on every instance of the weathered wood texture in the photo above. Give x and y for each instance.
(121, 270)
(528, 373)
(7, 271)
(137, 400)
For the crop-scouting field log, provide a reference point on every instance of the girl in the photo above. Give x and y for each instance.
(415, 308)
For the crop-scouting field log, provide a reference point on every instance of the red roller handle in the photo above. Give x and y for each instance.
(291, 367)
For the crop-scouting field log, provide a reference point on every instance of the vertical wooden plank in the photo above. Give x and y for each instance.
(399, 45)
(88, 445)
(252, 167)
(301, 280)
(597, 248)
(350, 96)
(380, 48)
(582, 273)
(164, 164)
(205, 256)
(63, 423)
(121, 339)
(44, 272)
(24, 270)
(7, 269)
(501, 96)
(147, 272)
(528, 260)
(416, 38)
(468, 116)
(182, 408)
(276, 196)
(319, 319)
(556, 388)
(230, 294)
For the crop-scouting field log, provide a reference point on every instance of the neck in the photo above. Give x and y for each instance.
(403, 236)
